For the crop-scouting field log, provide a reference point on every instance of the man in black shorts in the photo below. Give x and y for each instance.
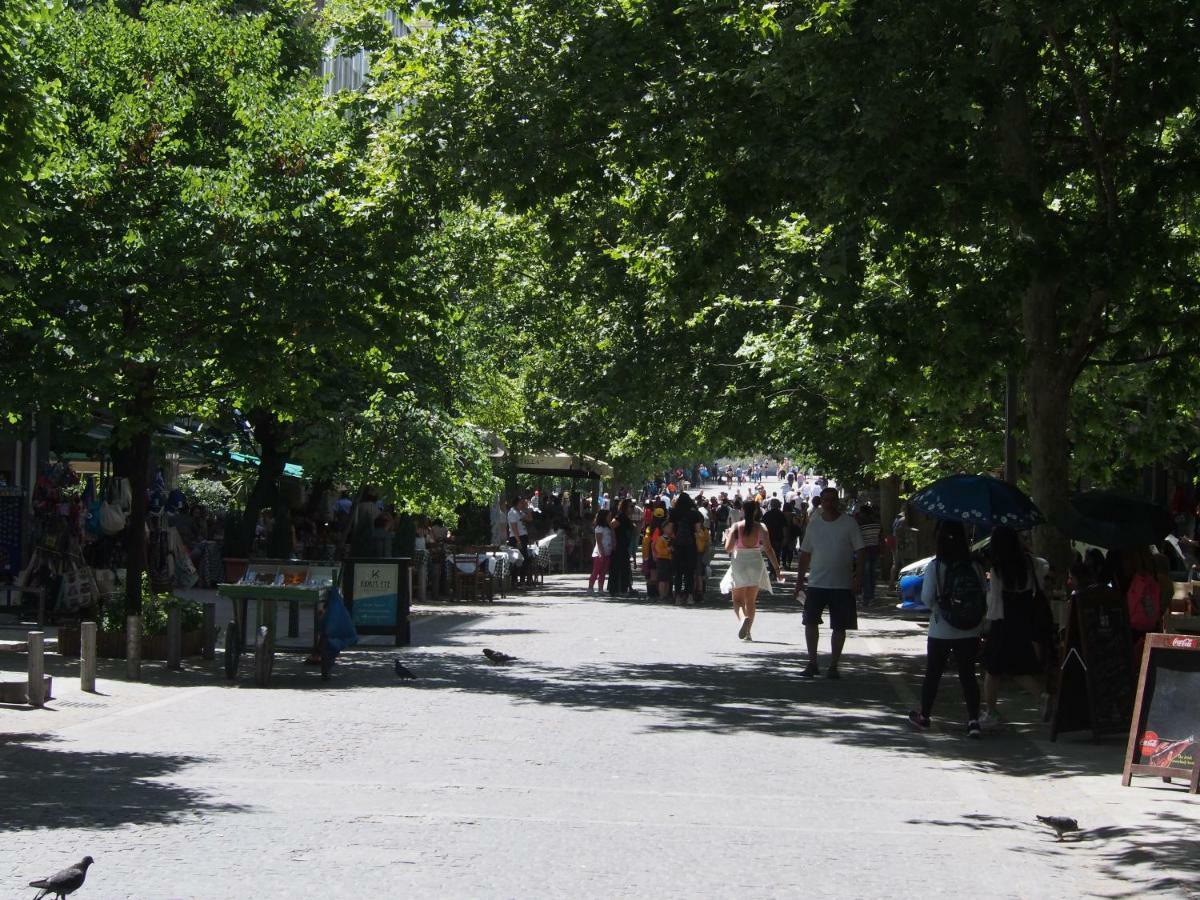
(833, 545)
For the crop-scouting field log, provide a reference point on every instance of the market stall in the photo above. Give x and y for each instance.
(267, 583)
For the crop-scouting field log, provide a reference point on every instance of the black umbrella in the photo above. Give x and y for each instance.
(1112, 520)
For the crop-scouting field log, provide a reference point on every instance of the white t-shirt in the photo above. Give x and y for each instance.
(515, 518)
(604, 541)
(832, 545)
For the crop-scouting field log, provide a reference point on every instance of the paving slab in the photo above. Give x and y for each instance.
(635, 749)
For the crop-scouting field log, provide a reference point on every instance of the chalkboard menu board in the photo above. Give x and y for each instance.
(1164, 739)
(379, 594)
(1096, 682)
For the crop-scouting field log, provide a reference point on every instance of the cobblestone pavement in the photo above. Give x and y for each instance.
(636, 749)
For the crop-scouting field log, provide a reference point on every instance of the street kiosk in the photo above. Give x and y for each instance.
(268, 582)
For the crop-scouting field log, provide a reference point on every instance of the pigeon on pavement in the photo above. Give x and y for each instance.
(404, 672)
(63, 882)
(497, 658)
(1060, 824)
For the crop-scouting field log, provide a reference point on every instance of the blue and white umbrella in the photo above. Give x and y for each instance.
(978, 500)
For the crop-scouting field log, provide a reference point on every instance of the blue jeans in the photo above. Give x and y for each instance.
(870, 568)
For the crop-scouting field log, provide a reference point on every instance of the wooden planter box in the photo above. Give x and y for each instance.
(111, 644)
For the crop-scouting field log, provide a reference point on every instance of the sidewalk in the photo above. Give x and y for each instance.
(635, 750)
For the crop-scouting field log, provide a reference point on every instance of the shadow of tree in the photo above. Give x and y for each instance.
(1154, 857)
(761, 692)
(49, 787)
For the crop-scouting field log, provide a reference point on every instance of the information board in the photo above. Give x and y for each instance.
(379, 594)
(1096, 681)
(1164, 738)
(11, 501)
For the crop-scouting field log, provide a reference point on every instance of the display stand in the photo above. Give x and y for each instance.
(1164, 738)
(266, 583)
(378, 593)
(1096, 679)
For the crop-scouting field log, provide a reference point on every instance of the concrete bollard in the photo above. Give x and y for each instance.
(37, 669)
(209, 650)
(87, 657)
(133, 648)
(174, 637)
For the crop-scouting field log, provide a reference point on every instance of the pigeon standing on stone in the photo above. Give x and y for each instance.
(64, 882)
(496, 657)
(404, 671)
(1060, 824)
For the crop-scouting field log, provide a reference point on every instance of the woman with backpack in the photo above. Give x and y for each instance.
(956, 594)
(1021, 626)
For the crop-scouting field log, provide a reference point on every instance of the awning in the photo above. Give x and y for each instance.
(556, 463)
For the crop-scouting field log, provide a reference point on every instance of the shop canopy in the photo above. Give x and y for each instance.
(559, 464)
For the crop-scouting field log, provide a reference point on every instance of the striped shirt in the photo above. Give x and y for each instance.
(870, 533)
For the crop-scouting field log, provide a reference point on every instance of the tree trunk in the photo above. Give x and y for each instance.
(271, 460)
(137, 469)
(1047, 397)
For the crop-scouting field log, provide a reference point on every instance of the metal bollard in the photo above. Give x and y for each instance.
(37, 669)
(87, 657)
(210, 631)
(174, 637)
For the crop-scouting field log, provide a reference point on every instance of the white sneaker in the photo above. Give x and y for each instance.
(989, 721)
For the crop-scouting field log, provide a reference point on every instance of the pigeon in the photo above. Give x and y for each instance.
(497, 658)
(65, 882)
(404, 671)
(1060, 824)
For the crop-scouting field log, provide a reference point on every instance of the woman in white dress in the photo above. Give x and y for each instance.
(747, 574)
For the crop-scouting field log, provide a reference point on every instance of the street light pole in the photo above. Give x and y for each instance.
(1010, 421)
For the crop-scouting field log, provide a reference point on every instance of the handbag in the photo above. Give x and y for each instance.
(112, 519)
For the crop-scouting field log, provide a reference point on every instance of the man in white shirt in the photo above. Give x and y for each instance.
(833, 544)
(518, 536)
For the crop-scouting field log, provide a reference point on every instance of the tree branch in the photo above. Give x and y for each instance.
(1084, 103)
(1082, 340)
(1181, 350)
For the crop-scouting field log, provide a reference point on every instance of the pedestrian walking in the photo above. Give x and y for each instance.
(832, 547)
(1020, 625)
(747, 573)
(776, 524)
(868, 524)
(684, 519)
(955, 592)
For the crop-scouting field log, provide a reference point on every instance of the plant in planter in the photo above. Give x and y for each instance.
(110, 637)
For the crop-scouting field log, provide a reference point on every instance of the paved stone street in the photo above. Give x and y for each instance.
(635, 750)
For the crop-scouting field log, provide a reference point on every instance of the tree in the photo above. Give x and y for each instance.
(1025, 174)
(134, 306)
(23, 109)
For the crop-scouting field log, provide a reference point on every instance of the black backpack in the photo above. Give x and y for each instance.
(961, 600)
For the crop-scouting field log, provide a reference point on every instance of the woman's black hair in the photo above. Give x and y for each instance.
(1009, 558)
(750, 511)
(952, 546)
(601, 517)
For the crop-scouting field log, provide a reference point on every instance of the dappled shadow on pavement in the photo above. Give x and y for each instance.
(1161, 856)
(760, 692)
(48, 785)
